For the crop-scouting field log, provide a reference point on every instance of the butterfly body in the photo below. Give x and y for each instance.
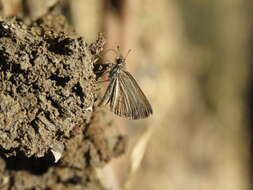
(118, 67)
(123, 95)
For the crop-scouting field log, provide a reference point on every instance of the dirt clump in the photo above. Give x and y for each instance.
(47, 96)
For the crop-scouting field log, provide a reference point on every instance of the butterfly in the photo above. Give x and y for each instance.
(123, 95)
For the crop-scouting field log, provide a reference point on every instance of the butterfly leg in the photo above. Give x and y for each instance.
(107, 80)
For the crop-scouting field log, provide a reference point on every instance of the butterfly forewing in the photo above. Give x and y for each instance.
(125, 97)
(141, 107)
(120, 103)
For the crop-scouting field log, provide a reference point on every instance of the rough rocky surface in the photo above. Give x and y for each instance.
(47, 97)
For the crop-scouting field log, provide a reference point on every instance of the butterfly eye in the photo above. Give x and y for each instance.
(119, 60)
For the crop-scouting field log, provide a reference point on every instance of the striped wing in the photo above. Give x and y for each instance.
(109, 92)
(125, 97)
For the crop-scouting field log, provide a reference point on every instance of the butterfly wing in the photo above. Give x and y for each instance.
(107, 98)
(127, 99)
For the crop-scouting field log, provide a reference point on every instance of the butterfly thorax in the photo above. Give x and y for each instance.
(119, 66)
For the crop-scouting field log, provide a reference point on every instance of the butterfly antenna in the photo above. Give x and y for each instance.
(127, 53)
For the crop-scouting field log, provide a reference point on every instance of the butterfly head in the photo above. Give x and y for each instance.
(121, 60)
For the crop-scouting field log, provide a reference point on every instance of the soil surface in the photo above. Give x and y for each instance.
(50, 136)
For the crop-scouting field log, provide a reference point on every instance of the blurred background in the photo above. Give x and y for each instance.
(193, 60)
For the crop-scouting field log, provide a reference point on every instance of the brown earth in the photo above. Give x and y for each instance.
(47, 107)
